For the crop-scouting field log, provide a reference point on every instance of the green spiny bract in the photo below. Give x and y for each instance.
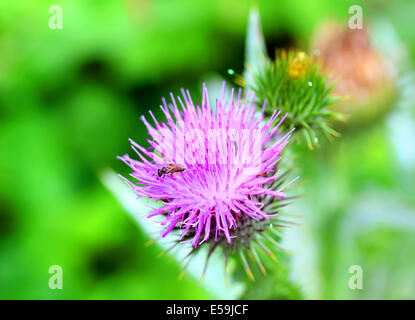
(294, 84)
(253, 240)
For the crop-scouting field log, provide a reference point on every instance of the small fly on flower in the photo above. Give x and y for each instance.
(170, 169)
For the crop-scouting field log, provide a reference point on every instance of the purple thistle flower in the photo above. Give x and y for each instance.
(209, 167)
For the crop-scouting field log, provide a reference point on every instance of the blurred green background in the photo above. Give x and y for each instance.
(70, 98)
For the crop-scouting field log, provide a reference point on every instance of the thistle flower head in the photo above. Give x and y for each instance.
(359, 71)
(209, 168)
(294, 84)
(297, 66)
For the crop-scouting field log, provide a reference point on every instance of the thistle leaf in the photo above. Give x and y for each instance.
(255, 50)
